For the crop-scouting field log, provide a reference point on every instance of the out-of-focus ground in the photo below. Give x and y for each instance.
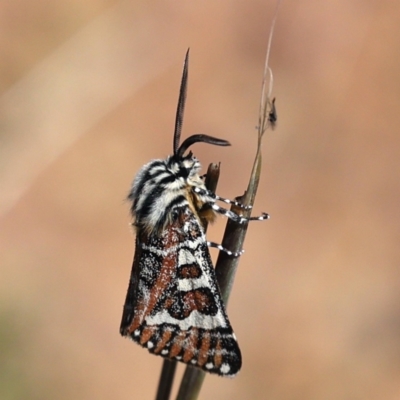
(88, 95)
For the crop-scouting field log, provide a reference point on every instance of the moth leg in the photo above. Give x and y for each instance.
(211, 196)
(221, 248)
(234, 202)
(238, 218)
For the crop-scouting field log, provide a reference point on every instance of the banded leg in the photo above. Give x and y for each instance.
(238, 218)
(212, 196)
(221, 248)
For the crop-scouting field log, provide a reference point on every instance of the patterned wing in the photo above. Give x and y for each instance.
(173, 306)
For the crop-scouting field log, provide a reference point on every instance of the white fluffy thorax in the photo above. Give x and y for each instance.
(161, 187)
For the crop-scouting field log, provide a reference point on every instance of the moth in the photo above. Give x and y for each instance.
(173, 306)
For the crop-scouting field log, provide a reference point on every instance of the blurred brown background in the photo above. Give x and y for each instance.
(88, 95)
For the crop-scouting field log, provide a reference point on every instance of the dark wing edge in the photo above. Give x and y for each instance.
(173, 306)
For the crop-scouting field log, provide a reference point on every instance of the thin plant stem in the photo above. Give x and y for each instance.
(166, 379)
(235, 233)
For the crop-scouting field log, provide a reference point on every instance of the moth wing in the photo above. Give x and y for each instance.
(173, 306)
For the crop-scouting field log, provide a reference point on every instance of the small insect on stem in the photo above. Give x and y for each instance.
(173, 306)
(272, 115)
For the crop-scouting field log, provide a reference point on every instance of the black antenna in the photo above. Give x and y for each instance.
(181, 104)
(199, 138)
(180, 150)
